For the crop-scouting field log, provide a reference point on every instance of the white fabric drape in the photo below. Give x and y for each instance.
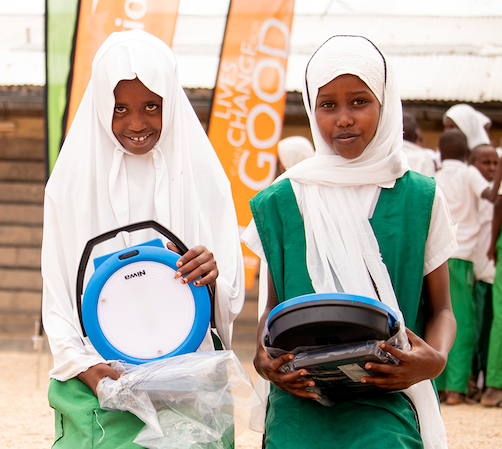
(471, 123)
(95, 187)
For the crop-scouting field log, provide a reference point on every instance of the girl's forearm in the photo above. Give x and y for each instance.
(441, 327)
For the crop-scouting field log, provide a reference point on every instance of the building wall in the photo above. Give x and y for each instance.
(22, 179)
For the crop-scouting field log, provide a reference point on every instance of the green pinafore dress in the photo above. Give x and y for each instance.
(401, 224)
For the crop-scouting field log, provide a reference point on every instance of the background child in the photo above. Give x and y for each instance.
(463, 187)
(474, 124)
(485, 159)
(492, 397)
(135, 151)
(418, 158)
(325, 227)
(292, 150)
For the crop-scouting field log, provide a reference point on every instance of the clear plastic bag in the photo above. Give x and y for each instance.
(337, 369)
(202, 399)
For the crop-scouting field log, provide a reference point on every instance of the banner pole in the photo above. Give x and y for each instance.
(218, 71)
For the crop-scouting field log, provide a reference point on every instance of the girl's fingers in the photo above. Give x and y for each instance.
(290, 379)
(382, 368)
(199, 251)
(276, 363)
(289, 382)
(195, 263)
(172, 247)
(393, 350)
(385, 384)
(302, 393)
(393, 379)
(207, 272)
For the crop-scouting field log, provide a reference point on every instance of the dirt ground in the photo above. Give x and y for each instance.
(26, 420)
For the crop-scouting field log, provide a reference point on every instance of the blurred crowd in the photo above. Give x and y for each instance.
(467, 169)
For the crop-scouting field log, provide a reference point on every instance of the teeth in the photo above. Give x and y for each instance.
(138, 139)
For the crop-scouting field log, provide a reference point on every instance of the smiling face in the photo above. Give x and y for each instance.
(137, 117)
(347, 114)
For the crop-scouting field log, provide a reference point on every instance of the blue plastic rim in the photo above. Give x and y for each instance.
(357, 299)
(107, 266)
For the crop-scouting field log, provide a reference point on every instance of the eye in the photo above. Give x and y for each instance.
(151, 107)
(360, 101)
(120, 109)
(327, 104)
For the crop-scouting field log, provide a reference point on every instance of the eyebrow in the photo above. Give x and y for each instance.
(359, 92)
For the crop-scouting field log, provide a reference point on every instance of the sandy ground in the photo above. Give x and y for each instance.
(26, 420)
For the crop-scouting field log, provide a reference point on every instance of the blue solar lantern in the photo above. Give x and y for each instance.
(334, 335)
(133, 308)
(320, 319)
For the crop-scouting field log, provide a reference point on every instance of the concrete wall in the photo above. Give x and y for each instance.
(22, 180)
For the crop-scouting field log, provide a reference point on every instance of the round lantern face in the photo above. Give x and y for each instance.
(135, 310)
(144, 312)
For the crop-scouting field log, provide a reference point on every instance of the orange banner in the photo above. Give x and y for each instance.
(248, 107)
(97, 19)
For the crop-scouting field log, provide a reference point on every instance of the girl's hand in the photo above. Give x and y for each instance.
(268, 369)
(420, 363)
(196, 262)
(95, 373)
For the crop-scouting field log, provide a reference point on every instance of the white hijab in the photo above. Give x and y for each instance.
(294, 149)
(340, 239)
(342, 250)
(471, 123)
(184, 188)
(382, 162)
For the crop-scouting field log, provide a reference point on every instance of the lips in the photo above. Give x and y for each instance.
(346, 138)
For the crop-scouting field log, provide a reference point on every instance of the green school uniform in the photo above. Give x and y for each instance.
(482, 324)
(389, 421)
(494, 364)
(455, 377)
(81, 423)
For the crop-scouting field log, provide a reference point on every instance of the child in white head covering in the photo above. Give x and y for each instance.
(136, 151)
(471, 122)
(292, 150)
(354, 219)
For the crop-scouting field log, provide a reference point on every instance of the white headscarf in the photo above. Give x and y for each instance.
(337, 228)
(471, 123)
(383, 161)
(293, 150)
(97, 186)
(342, 250)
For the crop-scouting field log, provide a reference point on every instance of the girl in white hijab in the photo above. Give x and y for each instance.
(135, 151)
(354, 219)
(292, 150)
(471, 122)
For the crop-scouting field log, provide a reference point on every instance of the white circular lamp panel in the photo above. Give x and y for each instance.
(135, 310)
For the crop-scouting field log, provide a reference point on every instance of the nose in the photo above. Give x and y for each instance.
(137, 123)
(344, 118)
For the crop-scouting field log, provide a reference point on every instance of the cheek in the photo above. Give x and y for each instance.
(116, 125)
(156, 121)
(323, 124)
(373, 120)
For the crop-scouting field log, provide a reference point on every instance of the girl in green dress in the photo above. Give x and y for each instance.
(354, 218)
